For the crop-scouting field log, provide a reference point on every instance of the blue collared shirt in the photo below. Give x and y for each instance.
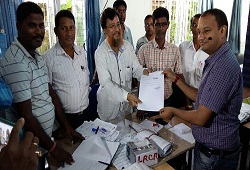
(221, 92)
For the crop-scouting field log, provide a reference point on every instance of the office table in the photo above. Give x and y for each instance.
(180, 146)
(245, 138)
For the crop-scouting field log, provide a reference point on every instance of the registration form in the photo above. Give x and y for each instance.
(151, 92)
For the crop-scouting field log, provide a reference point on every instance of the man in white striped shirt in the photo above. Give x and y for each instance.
(23, 69)
(68, 71)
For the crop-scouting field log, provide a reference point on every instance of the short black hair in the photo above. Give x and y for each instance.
(27, 8)
(147, 17)
(61, 14)
(195, 16)
(108, 13)
(118, 3)
(160, 12)
(219, 15)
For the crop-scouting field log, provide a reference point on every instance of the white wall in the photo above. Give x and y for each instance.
(136, 12)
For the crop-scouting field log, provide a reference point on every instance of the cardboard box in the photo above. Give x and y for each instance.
(146, 152)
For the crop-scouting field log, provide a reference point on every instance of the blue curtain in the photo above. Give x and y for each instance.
(234, 32)
(8, 18)
(246, 62)
(93, 31)
(205, 5)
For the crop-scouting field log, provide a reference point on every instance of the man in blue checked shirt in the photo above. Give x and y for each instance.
(215, 123)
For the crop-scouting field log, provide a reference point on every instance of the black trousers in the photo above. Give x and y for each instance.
(77, 119)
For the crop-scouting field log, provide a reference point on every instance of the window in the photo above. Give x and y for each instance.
(50, 8)
(180, 16)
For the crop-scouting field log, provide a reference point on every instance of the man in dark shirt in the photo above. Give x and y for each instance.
(215, 123)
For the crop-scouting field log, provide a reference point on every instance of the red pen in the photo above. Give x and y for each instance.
(155, 124)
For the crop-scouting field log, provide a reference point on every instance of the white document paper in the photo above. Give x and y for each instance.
(121, 161)
(90, 151)
(188, 136)
(138, 166)
(148, 124)
(151, 92)
(244, 112)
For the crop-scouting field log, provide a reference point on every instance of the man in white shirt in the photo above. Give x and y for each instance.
(193, 58)
(24, 71)
(68, 71)
(116, 64)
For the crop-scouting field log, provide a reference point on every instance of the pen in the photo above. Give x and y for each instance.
(133, 128)
(155, 124)
(104, 163)
(97, 129)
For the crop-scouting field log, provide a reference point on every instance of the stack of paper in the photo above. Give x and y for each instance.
(106, 130)
(244, 112)
(90, 152)
(184, 132)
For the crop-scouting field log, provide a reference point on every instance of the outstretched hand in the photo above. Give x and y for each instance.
(73, 135)
(147, 71)
(133, 100)
(169, 74)
(166, 113)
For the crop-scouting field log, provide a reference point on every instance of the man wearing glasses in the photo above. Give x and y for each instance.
(116, 64)
(158, 54)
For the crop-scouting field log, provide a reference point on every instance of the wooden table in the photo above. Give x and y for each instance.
(245, 138)
(180, 146)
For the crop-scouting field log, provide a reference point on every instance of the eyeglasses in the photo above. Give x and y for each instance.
(114, 26)
(163, 24)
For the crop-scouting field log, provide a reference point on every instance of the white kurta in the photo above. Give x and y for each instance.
(115, 74)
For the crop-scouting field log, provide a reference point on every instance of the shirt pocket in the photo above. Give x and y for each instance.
(128, 74)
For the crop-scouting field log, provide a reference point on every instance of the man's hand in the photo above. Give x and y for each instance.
(166, 113)
(147, 71)
(62, 156)
(133, 100)
(21, 155)
(169, 74)
(73, 135)
(140, 114)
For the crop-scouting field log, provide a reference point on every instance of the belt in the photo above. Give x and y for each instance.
(208, 151)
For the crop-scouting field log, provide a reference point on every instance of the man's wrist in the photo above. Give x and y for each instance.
(176, 79)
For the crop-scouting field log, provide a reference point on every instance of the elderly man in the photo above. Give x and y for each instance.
(116, 63)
